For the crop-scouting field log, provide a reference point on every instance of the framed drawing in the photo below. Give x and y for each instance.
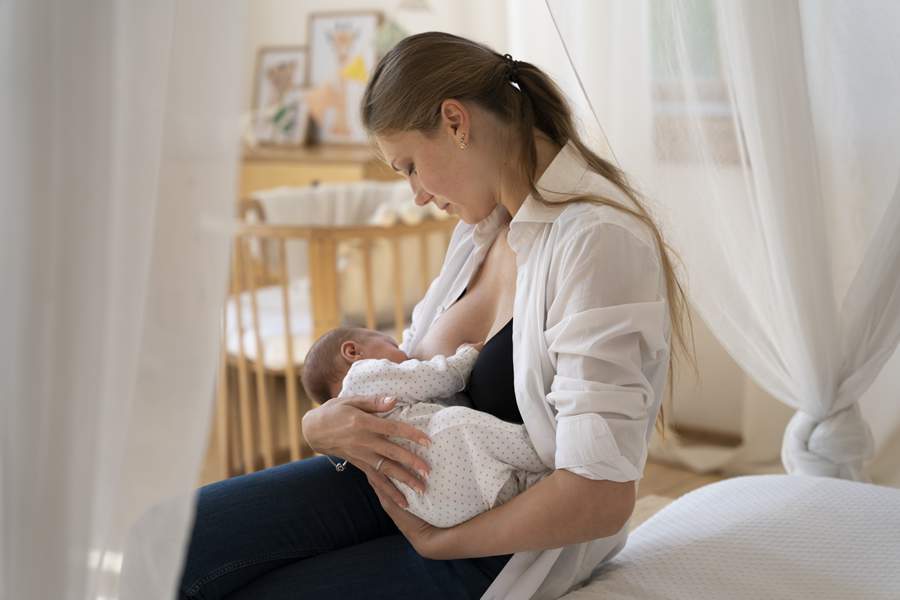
(342, 54)
(280, 111)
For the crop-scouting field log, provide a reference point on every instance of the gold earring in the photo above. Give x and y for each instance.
(462, 142)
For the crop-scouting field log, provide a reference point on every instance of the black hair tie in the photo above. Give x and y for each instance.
(512, 68)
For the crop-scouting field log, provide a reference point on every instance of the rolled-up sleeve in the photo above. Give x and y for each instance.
(607, 321)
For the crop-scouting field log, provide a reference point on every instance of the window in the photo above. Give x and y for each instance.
(688, 83)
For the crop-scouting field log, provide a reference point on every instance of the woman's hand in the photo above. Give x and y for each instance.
(344, 427)
(427, 540)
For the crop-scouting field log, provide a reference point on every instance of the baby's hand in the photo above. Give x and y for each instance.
(478, 346)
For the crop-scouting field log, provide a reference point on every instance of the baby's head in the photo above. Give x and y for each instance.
(329, 358)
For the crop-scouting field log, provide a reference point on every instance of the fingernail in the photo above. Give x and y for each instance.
(425, 442)
(387, 400)
(423, 474)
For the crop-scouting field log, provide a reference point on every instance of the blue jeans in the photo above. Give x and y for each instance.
(303, 530)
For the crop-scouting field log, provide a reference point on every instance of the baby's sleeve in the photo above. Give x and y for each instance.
(416, 379)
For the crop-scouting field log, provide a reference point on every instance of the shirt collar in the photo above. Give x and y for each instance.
(560, 181)
(567, 176)
(486, 229)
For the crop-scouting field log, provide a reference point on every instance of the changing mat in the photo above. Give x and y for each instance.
(768, 536)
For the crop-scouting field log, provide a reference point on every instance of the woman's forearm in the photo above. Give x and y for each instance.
(307, 428)
(560, 510)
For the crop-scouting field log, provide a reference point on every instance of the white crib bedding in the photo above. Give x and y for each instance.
(271, 324)
(767, 536)
(270, 312)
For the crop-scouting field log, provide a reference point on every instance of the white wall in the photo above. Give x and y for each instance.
(284, 22)
(879, 407)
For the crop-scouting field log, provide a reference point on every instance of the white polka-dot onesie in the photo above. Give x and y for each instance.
(477, 460)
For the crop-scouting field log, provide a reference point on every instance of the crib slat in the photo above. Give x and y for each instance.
(243, 388)
(221, 423)
(367, 282)
(293, 408)
(399, 296)
(262, 397)
(235, 446)
(323, 282)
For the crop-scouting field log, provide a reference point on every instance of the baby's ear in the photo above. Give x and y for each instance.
(351, 351)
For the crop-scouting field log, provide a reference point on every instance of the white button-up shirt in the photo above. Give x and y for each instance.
(591, 339)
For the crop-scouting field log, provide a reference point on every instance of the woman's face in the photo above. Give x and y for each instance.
(439, 171)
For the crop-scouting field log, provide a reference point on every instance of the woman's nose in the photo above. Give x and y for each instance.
(423, 197)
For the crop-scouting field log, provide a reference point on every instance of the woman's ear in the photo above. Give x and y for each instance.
(351, 351)
(455, 117)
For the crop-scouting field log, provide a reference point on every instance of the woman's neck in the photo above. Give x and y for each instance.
(514, 190)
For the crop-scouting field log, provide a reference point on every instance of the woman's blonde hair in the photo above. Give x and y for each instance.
(412, 80)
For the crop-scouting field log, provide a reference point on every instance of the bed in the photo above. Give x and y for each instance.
(764, 536)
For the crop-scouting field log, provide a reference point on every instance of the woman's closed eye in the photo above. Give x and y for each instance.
(411, 170)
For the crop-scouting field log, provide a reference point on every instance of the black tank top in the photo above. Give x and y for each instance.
(490, 387)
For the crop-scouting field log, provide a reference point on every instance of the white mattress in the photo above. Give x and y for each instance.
(270, 311)
(768, 536)
(271, 324)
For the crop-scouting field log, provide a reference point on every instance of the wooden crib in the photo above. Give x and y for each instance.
(260, 400)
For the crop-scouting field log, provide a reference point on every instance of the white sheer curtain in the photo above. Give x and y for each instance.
(765, 133)
(118, 150)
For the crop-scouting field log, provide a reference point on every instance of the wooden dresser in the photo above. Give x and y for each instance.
(268, 167)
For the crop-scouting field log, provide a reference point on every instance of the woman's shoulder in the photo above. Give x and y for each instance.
(587, 219)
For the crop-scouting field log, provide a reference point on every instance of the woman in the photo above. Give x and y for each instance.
(558, 266)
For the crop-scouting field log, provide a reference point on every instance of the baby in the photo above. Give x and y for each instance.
(477, 460)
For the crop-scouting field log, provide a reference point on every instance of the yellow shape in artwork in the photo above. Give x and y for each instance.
(355, 69)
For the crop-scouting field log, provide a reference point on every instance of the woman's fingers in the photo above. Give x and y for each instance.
(402, 456)
(400, 472)
(384, 486)
(387, 427)
(370, 403)
(360, 436)
(398, 429)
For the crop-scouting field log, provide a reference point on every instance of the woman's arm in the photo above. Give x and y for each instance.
(559, 510)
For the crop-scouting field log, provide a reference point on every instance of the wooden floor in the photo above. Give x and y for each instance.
(660, 486)
(671, 481)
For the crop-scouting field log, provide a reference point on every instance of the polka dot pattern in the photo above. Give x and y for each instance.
(477, 460)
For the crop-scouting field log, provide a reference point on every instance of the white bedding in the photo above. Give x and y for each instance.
(761, 537)
(271, 324)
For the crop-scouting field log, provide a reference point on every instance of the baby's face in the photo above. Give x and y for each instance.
(380, 345)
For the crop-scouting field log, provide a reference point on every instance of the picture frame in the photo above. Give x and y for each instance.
(280, 108)
(342, 55)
